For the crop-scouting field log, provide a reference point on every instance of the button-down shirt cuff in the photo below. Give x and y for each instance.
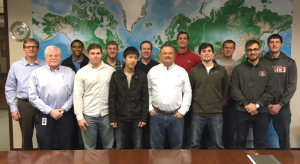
(79, 117)
(150, 107)
(182, 111)
(13, 108)
(65, 107)
(281, 104)
(47, 110)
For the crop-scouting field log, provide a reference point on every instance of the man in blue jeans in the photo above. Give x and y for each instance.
(90, 100)
(169, 100)
(128, 101)
(209, 82)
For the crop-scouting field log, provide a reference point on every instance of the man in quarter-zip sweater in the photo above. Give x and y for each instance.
(252, 88)
(209, 83)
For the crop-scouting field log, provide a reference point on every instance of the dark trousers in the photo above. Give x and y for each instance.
(146, 135)
(64, 128)
(121, 134)
(230, 115)
(281, 123)
(260, 125)
(28, 114)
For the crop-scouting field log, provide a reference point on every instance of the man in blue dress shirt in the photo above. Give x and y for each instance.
(50, 91)
(18, 80)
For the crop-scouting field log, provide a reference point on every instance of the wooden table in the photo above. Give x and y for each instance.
(144, 156)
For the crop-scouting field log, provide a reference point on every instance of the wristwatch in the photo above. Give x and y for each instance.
(257, 105)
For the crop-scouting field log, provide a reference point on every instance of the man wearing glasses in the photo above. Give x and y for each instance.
(51, 92)
(252, 88)
(16, 90)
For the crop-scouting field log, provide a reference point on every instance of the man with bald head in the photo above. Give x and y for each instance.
(169, 100)
(51, 92)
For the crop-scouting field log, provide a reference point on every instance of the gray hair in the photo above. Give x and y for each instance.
(52, 48)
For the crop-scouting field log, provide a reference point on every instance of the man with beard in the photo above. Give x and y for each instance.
(252, 88)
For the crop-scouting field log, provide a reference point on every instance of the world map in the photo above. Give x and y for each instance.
(129, 22)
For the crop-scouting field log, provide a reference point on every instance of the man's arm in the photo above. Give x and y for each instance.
(270, 89)
(225, 84)
(11, 90)
(145, 100)
(236, 92)
(112, 99)
(78, 93)
(33, 94)
(186, 95)
(291, 85)
(68, 104)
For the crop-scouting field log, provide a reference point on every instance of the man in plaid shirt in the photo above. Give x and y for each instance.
(112, 51)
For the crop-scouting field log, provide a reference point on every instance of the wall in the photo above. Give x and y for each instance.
(22, 11)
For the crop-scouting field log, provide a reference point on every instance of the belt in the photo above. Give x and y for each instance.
(168, 113)
(26, 100)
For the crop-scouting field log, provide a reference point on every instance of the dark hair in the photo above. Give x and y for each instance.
(130, 51)
(166, 45)
(112, 43)
(31, 40)
(228, 42)
(274, 36)
(94, 46)
(251, 42)
(146, 41)
(76, 40)
(183, 32)
(204, 46)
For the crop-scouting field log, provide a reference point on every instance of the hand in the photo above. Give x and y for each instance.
(16, 115)
(251, 107)
(82, 124)
(141, 124)
(114, 124)
(55, 113)
(62, 111)
(254, 112)
(178, 115)
(274, 109)
(152, 112)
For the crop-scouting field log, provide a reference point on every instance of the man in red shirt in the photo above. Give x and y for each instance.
(184, 57)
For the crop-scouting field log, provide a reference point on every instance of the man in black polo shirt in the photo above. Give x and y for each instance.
(146, 63)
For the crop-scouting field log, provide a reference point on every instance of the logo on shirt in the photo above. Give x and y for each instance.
(279, 69)
(262, 73)
(188, 61)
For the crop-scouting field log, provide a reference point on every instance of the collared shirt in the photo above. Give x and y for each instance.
(187, 60)
(146, 67)
(119, 65)
(77, 64)
(18, 79)
(169, 89)
(51, 89)
(91, 88)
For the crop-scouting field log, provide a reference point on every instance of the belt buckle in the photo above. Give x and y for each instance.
(169, 113)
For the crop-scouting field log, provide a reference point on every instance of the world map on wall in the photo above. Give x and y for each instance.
(129, 22)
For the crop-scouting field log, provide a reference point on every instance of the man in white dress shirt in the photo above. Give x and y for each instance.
(169, 100)
(90, 97)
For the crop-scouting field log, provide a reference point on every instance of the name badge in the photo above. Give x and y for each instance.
(44, 121)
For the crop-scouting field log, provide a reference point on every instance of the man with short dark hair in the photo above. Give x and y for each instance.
(252, 88)
(16, 90)
(128, 101)
(146, 63)
(169, 100)
(209, 82)
(286, 82)
(229, 113)
(77, 60)
(91, 89)
(112, 51)
(51, 92)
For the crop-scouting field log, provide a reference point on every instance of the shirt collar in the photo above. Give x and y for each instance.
(185, 52)
(24, 61)
(49, 68)
(169, 67)
(92, 67)
(73, 59)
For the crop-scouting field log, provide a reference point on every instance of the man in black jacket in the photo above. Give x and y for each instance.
(77, 60)
(128, 101)
(286, 83)
(252, 88)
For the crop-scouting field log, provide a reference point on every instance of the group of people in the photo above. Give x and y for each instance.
(144, 104)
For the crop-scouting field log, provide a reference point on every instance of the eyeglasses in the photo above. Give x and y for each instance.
(29, 47)
(51, 56)
(254, 50)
